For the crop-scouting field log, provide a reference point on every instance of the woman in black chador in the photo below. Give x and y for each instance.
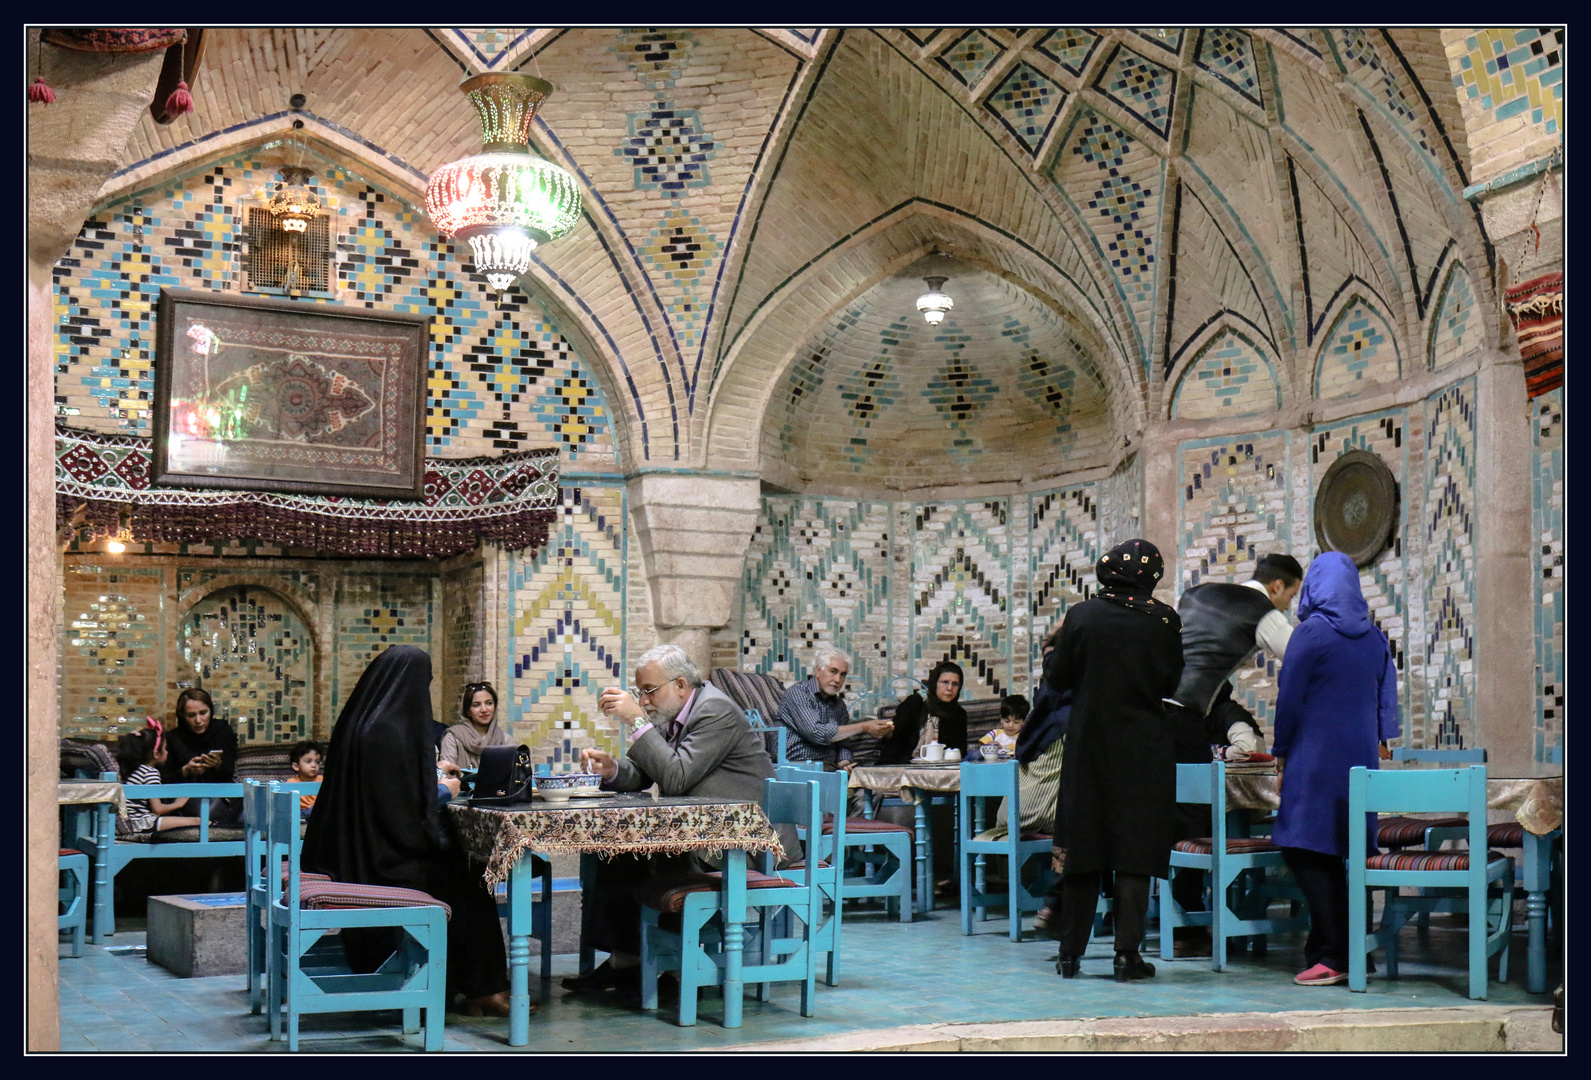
(1118, 655)
(376, 822)
(944, 689)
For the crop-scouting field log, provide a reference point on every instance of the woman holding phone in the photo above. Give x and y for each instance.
(203, 747)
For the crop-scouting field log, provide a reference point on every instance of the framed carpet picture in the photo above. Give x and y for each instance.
(278, 395)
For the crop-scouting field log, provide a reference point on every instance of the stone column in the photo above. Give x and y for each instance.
(73, 146)
(1161, 523)
(694, 531)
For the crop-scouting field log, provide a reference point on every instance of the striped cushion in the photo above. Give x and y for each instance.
(1205, 845)
(668, 894)
(1509, 834)
(1424, 860)
(69, 851)
(1397, 832)
(751, 690)
(802, 864)
(1037, 836)
(326, 894)
(865, 825)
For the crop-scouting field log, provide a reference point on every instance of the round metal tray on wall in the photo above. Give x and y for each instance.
(1356, 507)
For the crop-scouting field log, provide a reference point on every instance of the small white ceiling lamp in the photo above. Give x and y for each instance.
(933, 303)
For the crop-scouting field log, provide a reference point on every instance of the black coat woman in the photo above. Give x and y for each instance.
(1118, 655)
(944, 688)
(377, 821)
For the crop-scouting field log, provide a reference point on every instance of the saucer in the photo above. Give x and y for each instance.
(591, 794)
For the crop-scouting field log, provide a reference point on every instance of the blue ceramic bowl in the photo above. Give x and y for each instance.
(560, 786)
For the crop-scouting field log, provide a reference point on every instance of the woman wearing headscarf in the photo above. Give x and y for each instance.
(202, 748)
(463, 743)
(1118, 655)
(376, 822)
(912, 716)
(1337, 700)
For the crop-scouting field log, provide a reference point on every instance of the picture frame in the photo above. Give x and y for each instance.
(260, 394)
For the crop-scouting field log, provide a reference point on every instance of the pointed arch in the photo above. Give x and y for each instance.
(1228, 372)
(1359, 350)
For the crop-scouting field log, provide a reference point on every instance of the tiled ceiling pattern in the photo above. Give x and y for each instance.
(835, 164)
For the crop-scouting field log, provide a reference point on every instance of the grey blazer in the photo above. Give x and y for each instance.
(715, 755)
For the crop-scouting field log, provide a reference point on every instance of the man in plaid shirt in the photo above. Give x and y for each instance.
(814, 715)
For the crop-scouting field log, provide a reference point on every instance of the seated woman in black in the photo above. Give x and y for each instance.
(202, 748)
(944, 685)
(377, 821)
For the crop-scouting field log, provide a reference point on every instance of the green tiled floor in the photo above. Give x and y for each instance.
(893, 975)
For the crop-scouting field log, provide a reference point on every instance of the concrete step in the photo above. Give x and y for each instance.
(1467, 1029)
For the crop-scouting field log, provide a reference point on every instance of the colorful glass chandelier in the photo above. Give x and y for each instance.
(295, 205)
(506, 200)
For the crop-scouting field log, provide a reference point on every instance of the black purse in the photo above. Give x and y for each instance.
(505, 777)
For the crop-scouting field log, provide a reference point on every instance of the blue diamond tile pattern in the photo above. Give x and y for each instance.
(669, 149)
(970, 56)
(1140, 86)
(1070, 47)
(1121, 209)
(1229, 56)
(1164, 36)
(1026, 104)
(1361, 59)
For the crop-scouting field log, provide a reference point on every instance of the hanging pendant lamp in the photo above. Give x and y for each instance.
(507, 199)
(934, 303)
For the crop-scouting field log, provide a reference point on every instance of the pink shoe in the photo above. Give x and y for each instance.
(1320, 975)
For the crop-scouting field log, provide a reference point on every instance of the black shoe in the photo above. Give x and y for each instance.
(1130, 966)
(604, 977)
(1066, 966)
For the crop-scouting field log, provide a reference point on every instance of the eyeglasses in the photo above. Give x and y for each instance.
(639, 692)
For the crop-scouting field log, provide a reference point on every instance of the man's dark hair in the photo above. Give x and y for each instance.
(300, 749)
(1015, 706)
(1283, 568)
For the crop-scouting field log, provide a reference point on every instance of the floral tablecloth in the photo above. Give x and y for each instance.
(908, 779)
(626, 824)
(1537, 803)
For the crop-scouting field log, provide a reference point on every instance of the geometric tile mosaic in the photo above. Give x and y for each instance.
(112, 649)
(567, 611)
(1359, 348)
(1114, 182)
(1026, 104)
(1165, 37)
(959, 391)
(188, 234)
(1365, 65)
(1447, 521)
(1547, 529)
(970, 56)
(1063, 546)
(678, 255)
(1070, 47)
(1229, 377)
(1512, 70)
(1456, 329)
(818, 572)
(374, 612)
(251, 650)
(1305, 36)
(668, 149)
(961, 588)
(1142, 87)
(1229, 55)
(656, 56)
(1234, 507)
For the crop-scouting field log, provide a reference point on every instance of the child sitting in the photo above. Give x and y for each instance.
(140, 755)
(305, 760)
(1001, 742)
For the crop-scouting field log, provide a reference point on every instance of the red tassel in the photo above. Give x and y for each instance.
(180, 100)
(40, 91)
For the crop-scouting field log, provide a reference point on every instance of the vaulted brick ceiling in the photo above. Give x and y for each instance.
(1120, 194)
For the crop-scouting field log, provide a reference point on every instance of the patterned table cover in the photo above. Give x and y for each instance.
(908, 779)
(83, 792)
(620, 824)
(1537, 802)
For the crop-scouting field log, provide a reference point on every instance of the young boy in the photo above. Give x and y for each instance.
(305, 761)
(1002, 740)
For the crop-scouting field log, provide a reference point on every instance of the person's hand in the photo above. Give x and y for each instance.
(451, 783)
(1386, 752)
(197, 765)
(879, 728)
(616, 702)
(599, 761)
(447, 768)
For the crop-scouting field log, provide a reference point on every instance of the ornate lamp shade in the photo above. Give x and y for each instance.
(505, 200)
(295, 206)
(933, 303)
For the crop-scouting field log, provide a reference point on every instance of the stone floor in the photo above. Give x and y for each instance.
(899, 986)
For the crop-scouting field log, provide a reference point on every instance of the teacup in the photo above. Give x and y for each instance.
(934, 751)
(952, 754)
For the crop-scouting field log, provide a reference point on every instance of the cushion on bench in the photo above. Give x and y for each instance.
(1398, 832)
(188, 834)
(668, 894)
(1506, 834)
(328, 894)
(854, 826)
(1236, 845)
(751, 690)
(1424, 860)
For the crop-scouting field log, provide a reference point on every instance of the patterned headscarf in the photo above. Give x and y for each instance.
(1127, 576)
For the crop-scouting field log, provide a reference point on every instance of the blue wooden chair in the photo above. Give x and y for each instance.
(413, 979)
(773, 736)
(878, 857)
(980, 783)
(833, 793)
(1238, 898)
(694, 944)
(1485, 882)
(73, 893)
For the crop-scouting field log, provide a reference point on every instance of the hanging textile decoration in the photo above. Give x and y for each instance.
(40, 91)
(508, 500)
(1535, 307)
(180, 101)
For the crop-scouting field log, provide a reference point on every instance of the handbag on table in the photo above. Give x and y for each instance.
(505, 777)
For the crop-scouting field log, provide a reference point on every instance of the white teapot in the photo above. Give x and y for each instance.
(934, 751)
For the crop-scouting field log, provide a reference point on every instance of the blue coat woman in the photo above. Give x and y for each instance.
(1337, 701)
